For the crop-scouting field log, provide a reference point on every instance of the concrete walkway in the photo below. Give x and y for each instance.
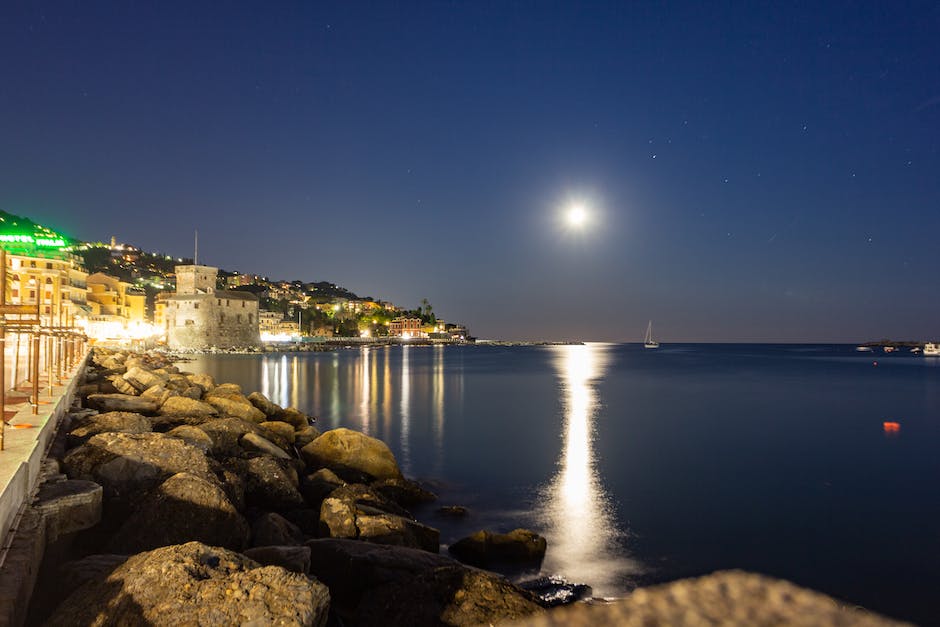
(26, 441)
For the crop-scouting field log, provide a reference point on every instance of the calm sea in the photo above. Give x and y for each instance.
(644, 466)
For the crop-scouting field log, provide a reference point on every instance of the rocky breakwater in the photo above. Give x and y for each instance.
(224, 508)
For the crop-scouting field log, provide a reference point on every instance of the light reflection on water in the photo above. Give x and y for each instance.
(583, 536)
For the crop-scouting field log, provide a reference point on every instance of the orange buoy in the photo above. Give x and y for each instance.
(891, 427)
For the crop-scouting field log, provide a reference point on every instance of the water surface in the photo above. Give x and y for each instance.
(642, 466)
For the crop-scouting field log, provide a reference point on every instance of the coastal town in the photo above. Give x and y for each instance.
(117, 293)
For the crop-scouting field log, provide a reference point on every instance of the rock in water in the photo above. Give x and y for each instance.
(184, 508)
(373, 584)
(346, 452)
(195, 584)
(485, 548)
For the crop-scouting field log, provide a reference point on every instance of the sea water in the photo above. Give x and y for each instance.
(641, 466)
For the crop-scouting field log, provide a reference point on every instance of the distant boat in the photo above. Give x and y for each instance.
(916, 349)
(931, 350)
(863, 349)
(650, 342)
(889, 349)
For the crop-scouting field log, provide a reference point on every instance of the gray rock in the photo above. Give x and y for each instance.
(182, 509)
(292, 558)
(158, 393)
(348, 452)
(121, 386)
(195, 584)
(69, 506)
(254, 442)
(191, 435)
(262, 402)
(355, 511)
(231, 402)
(294, 417)
(125, 463)
(487, 549)
(112, 421)
(305, 435)
(204, 381)
(142, 379)
(122, 402)
(272, 529)
(453, 595)
(376, 584)
(226, 434)
(404, 492)
(722, 598)
(319, 485)
(270, 484)
(279, 432)
(183, 406)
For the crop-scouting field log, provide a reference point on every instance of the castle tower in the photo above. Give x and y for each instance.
(196, 279)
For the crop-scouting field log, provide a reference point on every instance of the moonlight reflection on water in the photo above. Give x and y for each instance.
(585, 543)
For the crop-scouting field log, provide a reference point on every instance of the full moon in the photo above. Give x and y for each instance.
(576, 216)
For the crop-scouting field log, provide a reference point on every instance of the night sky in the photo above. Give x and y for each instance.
(751, 171)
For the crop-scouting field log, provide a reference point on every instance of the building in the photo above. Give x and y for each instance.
(407, 328)
(41, 269)
(118, 309)
(268, 321)
(200, 316)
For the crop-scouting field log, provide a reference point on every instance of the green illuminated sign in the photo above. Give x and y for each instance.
(35, 241)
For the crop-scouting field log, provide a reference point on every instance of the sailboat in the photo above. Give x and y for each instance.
(650, 342)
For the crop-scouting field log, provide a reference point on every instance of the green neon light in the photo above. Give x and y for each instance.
(43, 242)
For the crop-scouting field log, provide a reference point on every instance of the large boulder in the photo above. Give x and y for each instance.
(294, 417)
(270, 483)
(305, 435)
(356, 511)
(272, 529)
(122, 402)
(319, 485)
(293, 558)
(195, 584)
(453, 595)
(125, 463)
(263, 403)
(231, 402)
(182, 509)
(370, 581)
(122, 386)
(404, 492)
(143, 379)
(158, 393)
(112, 421)
(278, 431)
(192, 435)
(254, 442)
(351, 454)
(183, 406)
(486, 548)
(226, 434)
(204, 381)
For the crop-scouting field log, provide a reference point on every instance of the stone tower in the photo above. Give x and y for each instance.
(196, 279)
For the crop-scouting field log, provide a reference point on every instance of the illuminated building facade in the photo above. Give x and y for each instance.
(407, 328)
(41, 269)
(118, 309)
